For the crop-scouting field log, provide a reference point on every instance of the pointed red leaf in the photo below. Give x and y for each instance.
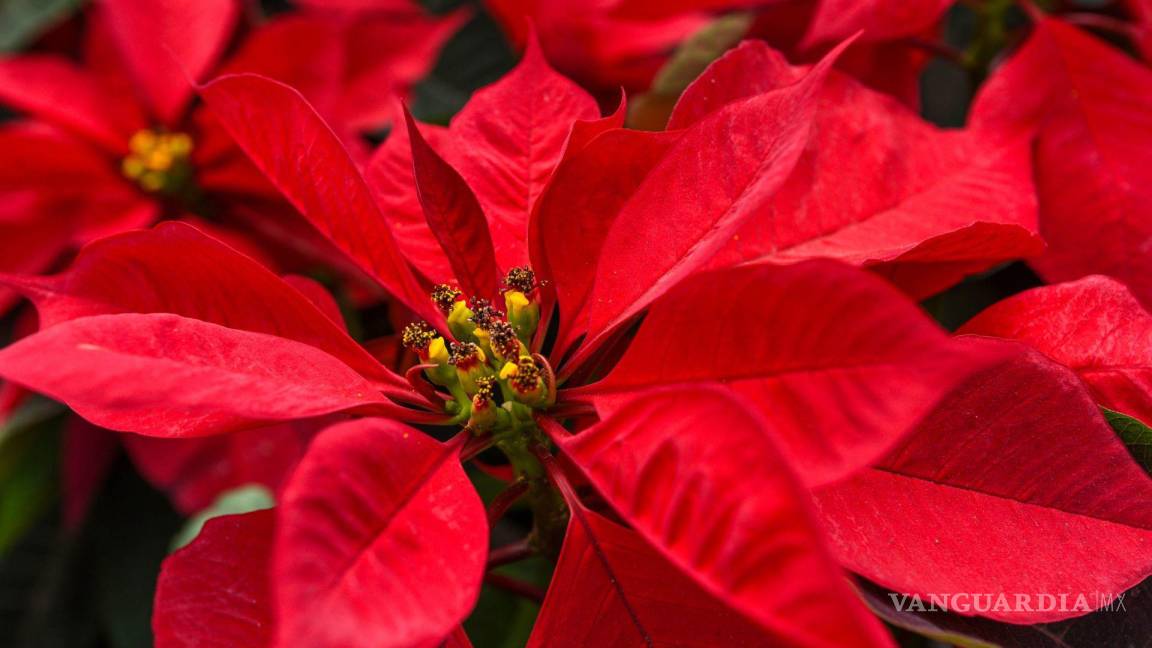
(510, 137)
(300, 154)
(948, 203)
(611, 588)
(455, 218)
(349, 67)
(840, 362)
(165, 42)
(1092, 106)
(382, 540)
(165, 375)
(1094, 326)
(390, 176)
(698, 476)
(174, 268)
(1014, 485)
(880, 19)
(716, 176)
(55, 90)
(214, 593)
(576, 210)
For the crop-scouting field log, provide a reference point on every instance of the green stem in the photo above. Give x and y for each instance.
(549, 512)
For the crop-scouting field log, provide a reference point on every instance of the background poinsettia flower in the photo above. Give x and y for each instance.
(1095, 326)
(623, 43)
(1088, 106)
(97, 129)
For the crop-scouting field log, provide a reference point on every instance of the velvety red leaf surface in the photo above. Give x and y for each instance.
(455, 218)
(840, 362)
(1094, 326)
(214, 592)
(699, 476)
(301, 155)
(389, 174)
(880, 19)
(170, 376)
(166, 42)
(947, 203)
(576, 210)
(509, 138)
(611, 588)
(1014, 484)
(349, 67)
(382, 540)
(174, 268)
(690, 204)
(1090, 106)
(61, 93)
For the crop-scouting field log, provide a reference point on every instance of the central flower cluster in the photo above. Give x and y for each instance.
(159, 161)
(487, 366)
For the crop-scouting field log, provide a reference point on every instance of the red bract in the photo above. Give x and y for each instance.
(742, 388)
(1015, 484)
(116, 143)
(1089, 107)
(947, 203)
(1094, 326)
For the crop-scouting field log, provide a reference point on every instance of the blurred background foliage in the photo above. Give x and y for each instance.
(90, 584)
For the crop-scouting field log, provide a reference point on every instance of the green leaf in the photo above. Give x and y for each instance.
(1136, 435)
(22, 21)
(29, 469)
(242, 499)
(502, 619)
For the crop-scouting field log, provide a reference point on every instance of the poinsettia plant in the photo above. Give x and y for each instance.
(683, 369)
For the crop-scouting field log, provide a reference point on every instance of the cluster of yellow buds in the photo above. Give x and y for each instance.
(487, 366)
(159, 161)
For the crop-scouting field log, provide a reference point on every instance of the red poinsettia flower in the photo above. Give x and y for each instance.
(624, 43)
(741, 389)
(116, 142)
(1087, 105)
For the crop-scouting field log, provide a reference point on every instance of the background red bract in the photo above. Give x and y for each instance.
(626, 323)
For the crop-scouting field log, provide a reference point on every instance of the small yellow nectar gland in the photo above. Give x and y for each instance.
(158, 162)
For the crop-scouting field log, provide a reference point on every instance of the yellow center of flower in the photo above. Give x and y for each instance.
(159, 161)
(486, 364)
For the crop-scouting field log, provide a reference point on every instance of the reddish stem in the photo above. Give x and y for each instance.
(505, 499)
(517, 587)
(510, 553)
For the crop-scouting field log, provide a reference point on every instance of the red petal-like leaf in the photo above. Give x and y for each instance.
(947, 203)
(165, 375)
(162, 41)
(455, 218)
(880, 19)
(716, 176)
(349, 67)
(391, 178)
(304, 159)
(55, 90)
(382, 540)
(612, 589)
(510, 137)
(840, 362)
(174, 268)
(576, 210)
(698, 476)
(1014, 485)
(1092, 106)
(1095, 326)
(214, 592)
